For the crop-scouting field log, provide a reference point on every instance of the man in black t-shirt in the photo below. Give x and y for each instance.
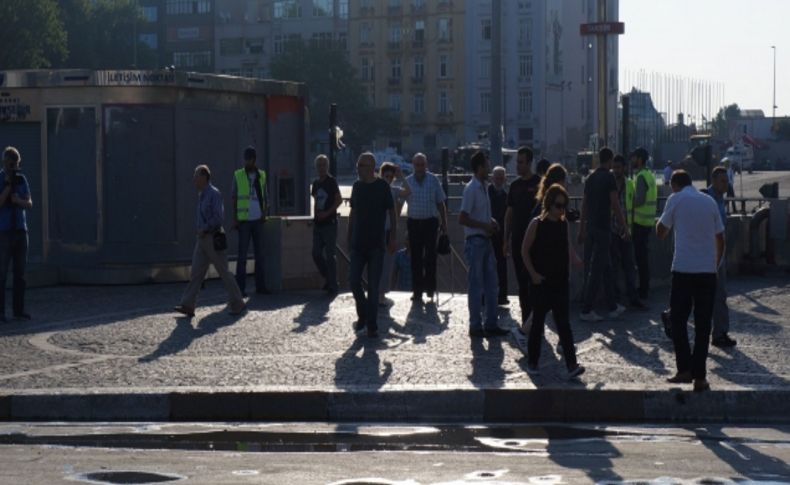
(371, 200)
(600, 199)
(520, 202)
(327, 199)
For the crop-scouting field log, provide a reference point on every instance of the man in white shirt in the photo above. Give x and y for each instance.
(479, 227)
(699, 247)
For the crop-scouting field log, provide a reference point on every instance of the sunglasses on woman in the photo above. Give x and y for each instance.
(561, 207)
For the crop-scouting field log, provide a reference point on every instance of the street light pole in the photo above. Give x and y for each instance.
(773, 115)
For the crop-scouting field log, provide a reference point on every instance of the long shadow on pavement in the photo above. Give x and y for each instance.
(487, 357)
(354, 370)
(184, 334)
(745, 460)
(314, 312)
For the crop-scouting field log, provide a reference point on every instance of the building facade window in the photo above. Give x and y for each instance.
(187, 7)
(254, 46)
(486, 29)
(395, 103)
(323, 8)
(230, 46)
(192, 59)
(444, 103)
(364, 69)
(279, 44)
(444, 66)
(445, 28)
(395, 71)
(485, 67)
(365, 33)
(419, 103)
(342, 9)
(525, 32)
(395, 34)
(525, 66)
(525, 102)
(419, 67)
(151, 40)
(419, 31)
(485, 103)
(150, 14)
(287, 9)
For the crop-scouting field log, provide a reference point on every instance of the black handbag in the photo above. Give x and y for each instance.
(443, 246)
(220, 241)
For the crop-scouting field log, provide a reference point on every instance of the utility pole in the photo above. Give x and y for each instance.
(603, 127)
(332, 139)
(773, 115)
(495, 130)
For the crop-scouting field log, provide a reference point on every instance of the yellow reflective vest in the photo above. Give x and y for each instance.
(645, 215)
(243, 193)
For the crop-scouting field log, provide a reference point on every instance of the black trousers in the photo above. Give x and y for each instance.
(13, 252)
(641, 235)
(522, 275)
(554, 298)
(501, 262)
(422, 244)
(696, 290)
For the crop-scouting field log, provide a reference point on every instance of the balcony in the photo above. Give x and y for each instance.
(417, 44)
(418, 81)
(393, 81)
(393, 45)
(445, 5)
(418, 9)
(417, 118)
(395, 10)
(363, 11)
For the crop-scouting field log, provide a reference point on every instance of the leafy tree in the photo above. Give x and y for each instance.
(724, 115)
(32, 35)
(102, 35)
(330, 78)
(782, 128)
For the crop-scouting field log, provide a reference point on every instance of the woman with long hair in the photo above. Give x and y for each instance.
(548, 254)
(556, 174)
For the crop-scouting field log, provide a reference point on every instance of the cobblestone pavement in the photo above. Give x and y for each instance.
(126, 338)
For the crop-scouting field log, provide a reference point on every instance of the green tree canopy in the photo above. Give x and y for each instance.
(331, 78)
(32, 36)
(102, 34)
(725, 114)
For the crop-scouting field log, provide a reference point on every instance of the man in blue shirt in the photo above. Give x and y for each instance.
(208, 218)
(14, 201)
(721, 313)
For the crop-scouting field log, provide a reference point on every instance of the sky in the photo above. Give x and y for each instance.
(724, 41)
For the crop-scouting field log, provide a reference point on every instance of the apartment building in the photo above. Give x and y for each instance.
(250, 33)
(189, 34)
(410, 58)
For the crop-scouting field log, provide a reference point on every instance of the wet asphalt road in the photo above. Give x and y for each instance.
(360, 454)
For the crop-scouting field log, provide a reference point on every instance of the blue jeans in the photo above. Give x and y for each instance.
(13, 252)
(600, 269)
(250, 230)
(482, 278)
(324, 245)
(367, 305)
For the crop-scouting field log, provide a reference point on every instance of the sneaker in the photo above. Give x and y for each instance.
(590, 317)
(619, 310)
(22, 316)
(701, 385)
(239, 310)
(667, 322)
(681, 378)
(496, 332)
(185, 310)
(359, 325)
(533, 369)
(576, 372)
(476, 333)
(638, 305)
(430, 295)
(723, 342)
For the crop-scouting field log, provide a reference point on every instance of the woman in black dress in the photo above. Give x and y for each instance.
(548, 254)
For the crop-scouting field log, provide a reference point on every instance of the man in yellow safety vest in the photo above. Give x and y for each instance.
(249, 215)
(642, 212)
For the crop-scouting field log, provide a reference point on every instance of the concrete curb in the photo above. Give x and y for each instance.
(476, 405)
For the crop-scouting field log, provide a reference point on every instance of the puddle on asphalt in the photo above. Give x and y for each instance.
(126, 477)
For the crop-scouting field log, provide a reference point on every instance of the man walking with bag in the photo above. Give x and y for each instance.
(210, 247)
